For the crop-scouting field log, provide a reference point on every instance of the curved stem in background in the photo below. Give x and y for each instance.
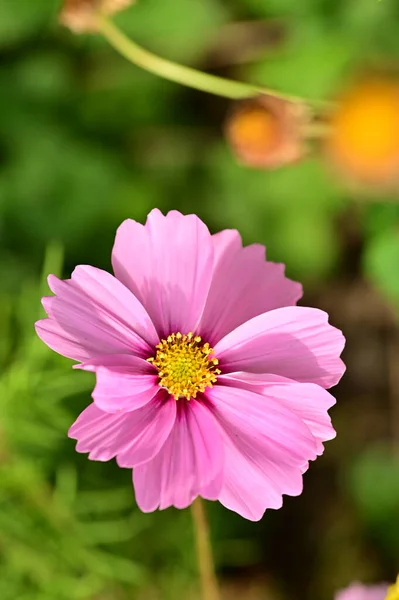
(187, 76)
(209, 585)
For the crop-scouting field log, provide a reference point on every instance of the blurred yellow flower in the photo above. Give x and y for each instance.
(363, 139)
(268, 131)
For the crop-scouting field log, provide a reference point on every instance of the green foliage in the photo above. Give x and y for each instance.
(48, 549)
(381, 259)
(374, 486)
(311, 49)
(179, 29)
(23, 23)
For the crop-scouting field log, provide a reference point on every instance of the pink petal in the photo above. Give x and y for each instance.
(124, 382)
(309, 401)
(266, 446)
(359, 591)
(93, 314)
(167, 264)
(244, 285)
(124, 363)
(116, 391)
(294, 342)
(190, 463)
(133, 437)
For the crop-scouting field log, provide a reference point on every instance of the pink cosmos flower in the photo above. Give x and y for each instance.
(209, 380)
(359, 591)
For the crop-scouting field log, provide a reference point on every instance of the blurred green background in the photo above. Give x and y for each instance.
(87, 140)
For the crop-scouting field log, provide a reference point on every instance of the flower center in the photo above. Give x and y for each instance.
(393, 591)
(185, 366)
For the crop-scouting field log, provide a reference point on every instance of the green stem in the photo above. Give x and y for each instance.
(209, 585)
(175, 72)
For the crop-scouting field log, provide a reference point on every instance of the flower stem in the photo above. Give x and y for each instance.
(209, 585)
(178, 73)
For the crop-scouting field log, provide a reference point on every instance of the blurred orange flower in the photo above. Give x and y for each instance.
(363, 138)
(268, 131)
(80, 15)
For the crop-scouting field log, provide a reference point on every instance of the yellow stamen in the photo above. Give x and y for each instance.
(393, 591)
(185, 365)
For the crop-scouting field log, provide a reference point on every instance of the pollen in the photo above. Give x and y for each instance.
(185, 365)
(393, 591)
